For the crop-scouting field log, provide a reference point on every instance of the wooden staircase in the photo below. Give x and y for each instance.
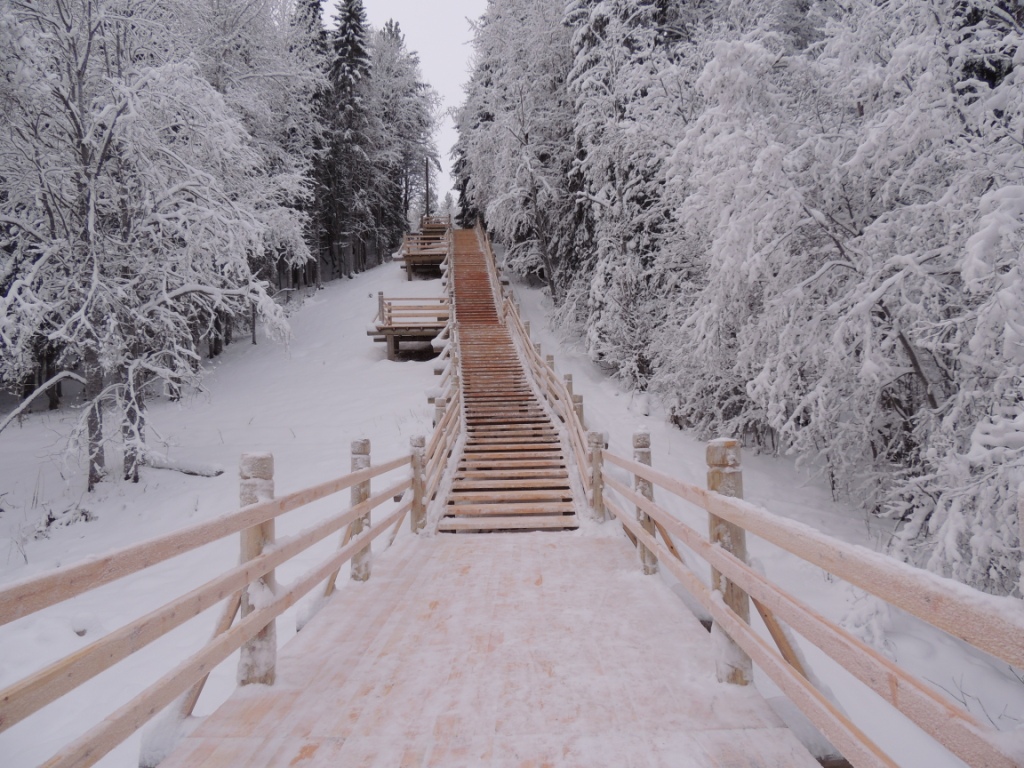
(512, 474)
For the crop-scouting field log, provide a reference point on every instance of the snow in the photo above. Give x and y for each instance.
(305, 403)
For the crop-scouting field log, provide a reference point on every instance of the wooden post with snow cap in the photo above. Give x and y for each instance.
(595, 443)
(360, 493)
(381, 309)
(526, 328)
(568, 384)
(550, 360)
(577, 404)
(642, 455)
(537, 348)
(258, 661)
(440, 406)
(725, 476)
(418, 518)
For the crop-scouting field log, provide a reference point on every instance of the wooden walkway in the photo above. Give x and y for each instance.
(503, 650)
(512, 474)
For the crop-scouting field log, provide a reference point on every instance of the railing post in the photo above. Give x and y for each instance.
(381, 308)
(537, 349)
(725, 476)
(642, 455)
(550, 360)
(595, 442)
(258, 661)
(360, 493)
(577, 404)
(526, 328)
(568, 384)
(440, 405)
(418, 518)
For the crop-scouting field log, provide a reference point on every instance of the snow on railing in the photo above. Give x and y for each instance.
(991, 624)
(249, 588)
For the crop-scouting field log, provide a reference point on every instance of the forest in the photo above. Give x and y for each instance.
(799, 223)
(170, 169)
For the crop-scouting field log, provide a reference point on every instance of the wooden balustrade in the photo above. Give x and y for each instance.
(250, 586)
(993, 625)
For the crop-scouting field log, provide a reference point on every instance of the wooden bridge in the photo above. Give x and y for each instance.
(503, 648)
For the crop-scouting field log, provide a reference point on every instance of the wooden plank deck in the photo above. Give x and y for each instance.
(507, 429)
(502, 650)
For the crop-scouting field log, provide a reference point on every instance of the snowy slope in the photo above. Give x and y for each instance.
(305, 402)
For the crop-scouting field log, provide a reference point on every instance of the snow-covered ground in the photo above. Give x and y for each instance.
(305, 402)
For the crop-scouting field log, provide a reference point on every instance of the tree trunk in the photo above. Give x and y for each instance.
(94, 419)
(50, 370)
(133, 428)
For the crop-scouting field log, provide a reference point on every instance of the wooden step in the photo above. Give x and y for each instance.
(506, 508)
(509, 523)
(513, 495)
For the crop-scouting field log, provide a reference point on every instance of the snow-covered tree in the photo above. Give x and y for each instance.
(516, 134)
(131, 202)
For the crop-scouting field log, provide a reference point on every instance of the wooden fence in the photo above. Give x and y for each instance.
(261, 552)
(990, 624)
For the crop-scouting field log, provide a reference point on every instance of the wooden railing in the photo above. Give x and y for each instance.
(448, 420)
(409, 312)
(431, 222)
(990, 624)
(254, 632)
(564, 404)
(497, 284)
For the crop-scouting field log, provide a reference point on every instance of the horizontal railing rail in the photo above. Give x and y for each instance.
(990, 624)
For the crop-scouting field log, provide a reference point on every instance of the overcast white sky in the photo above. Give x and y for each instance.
(439, 32)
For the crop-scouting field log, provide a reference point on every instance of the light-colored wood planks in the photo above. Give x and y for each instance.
(497, 651)
(512, 473)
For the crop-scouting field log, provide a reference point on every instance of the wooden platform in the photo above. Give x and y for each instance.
(504, 650)
(426, 250)
(408, 319)
(512, 473)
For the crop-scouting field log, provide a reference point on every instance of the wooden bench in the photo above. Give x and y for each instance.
(408, 319)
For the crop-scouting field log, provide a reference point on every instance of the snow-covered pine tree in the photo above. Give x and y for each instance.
(350, 217)
(403, 108)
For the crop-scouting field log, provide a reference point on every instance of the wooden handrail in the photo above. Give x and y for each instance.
(931, 712)
(98, 741)
(20, 700)
(30, 694)
(555, 393)
(889, 579)
(37, 592)
(992, 624)
(853, 743)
